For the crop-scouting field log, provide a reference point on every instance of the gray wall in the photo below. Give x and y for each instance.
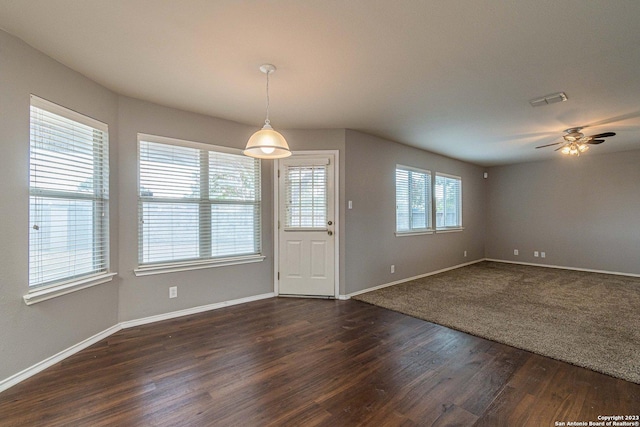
(371, 245)
(583, 212)
(149, 295)
(30, 334)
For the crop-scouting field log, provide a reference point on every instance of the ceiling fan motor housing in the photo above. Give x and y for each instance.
(573, 134)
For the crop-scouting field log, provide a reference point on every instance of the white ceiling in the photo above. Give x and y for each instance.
(453, 77)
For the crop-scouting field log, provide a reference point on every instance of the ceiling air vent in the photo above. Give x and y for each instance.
(548, 99)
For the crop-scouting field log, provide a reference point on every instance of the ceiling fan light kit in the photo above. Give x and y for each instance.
(575, 142)
(267, 143)
(574, 149)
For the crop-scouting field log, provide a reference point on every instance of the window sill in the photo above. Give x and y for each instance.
(449, 230)
(412, 233)
(146, 270)
(39, 295)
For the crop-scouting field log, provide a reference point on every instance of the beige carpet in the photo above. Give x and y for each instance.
(587, 319)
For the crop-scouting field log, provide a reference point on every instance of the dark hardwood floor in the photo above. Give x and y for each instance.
(310, 362)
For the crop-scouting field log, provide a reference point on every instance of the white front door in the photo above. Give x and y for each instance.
(306, 227)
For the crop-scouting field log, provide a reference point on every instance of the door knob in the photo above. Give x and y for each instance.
(330, 233)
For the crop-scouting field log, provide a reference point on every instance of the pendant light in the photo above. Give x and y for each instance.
(267, 143)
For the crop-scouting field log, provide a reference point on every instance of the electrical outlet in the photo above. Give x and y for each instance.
(350, 204)
(173, 292)
(393, 268)
(465, 254)
(515, 252)
(535, 254)
(543, 255)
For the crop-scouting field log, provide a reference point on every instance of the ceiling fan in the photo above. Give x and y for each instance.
(575, 142)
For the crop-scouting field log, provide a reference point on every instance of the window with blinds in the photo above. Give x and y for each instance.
(413, 199)
(68, 195)
(306, 196)
(448, 199)
(196, 202)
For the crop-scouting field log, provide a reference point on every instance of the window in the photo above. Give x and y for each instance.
(68, 196)
(197, 203)
(448, 198)
(413, 200)
(306, 196)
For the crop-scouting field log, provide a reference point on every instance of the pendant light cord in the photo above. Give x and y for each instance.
(267, 121)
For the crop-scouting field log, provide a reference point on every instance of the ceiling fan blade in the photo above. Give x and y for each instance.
(603, 135)
(559, 148)
(549, 145)
(595, 141)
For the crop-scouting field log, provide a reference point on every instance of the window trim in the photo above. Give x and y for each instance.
(44, 293)
(413, 233)
(449, 230)
(428, 209)
(173, 267)
(191, 264)
(39, 293)
(68, 113)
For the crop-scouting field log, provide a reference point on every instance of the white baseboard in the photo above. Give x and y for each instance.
(193, 310)
(562, 267)
(408, 279)
(50, 361)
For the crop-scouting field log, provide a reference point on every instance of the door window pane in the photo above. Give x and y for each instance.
(306, 196)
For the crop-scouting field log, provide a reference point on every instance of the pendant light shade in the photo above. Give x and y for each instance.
(267, 143)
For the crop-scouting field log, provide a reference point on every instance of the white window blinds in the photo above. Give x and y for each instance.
(68, 200)
(306, 196)
(413, 199)
(448, 195)
(196, 202)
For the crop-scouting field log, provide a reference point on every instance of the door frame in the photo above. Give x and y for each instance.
(336, 215)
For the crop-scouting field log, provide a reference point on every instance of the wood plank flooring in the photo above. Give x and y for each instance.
(297, 362)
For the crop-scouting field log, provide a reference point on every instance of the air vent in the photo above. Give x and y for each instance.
(548, 99)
